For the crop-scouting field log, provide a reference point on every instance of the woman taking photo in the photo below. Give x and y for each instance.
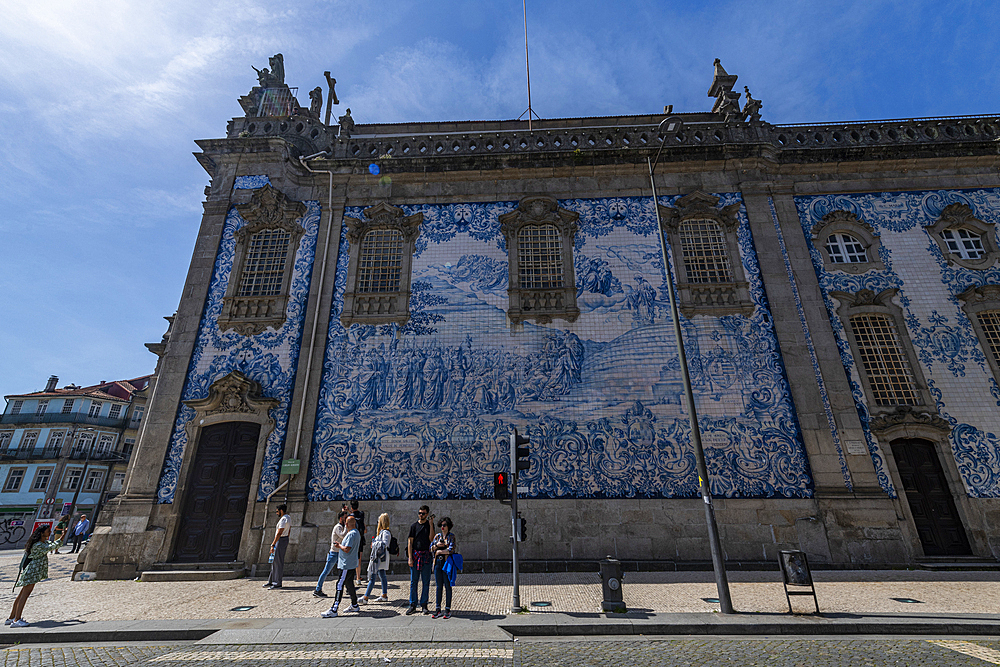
(442, 546)
(378, 562)
(37, 568)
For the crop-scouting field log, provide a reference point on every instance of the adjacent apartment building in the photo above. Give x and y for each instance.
(64, 450)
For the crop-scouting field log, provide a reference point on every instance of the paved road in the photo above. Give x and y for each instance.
(708, 652)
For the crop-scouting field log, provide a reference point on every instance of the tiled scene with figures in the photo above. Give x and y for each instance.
(422, 411)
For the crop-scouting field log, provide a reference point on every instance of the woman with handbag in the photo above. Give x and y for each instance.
(442, 547)
(378, 561)
(34, 568)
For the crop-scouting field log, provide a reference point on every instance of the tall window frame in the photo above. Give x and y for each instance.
(882, 316)
(257, 294)
(43, 476)
(981, 305)
(845, 223)
(15, 476)
(957, 218)
(67, 407)
(706, 256)
(541, 277)
(380, 265)
(6, 437)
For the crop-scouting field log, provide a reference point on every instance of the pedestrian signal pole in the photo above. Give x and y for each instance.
(519, 460)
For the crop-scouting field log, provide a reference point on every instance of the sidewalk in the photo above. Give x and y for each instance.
(852, 602)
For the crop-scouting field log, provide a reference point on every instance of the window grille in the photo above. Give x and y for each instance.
(989, 320)
(5, 438)
(15, 409)
(71, 480)
(28, 441)
(703, 247)
(42, 405)
(539, 257)
(67, 406)
(885, 362)
(380, 261)
(845, 249)
(115, 412)
(965, 244)
(95, 409)
(264, 266)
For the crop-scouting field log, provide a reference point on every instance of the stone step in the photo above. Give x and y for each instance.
(957, 563)
(209, 565)
(191, 575)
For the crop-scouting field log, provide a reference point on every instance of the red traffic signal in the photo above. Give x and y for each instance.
(500, 490)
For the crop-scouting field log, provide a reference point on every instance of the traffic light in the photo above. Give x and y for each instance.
(522, 529)
(500, 490)
(519, 450)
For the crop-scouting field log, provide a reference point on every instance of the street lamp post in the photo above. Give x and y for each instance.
(718, 564)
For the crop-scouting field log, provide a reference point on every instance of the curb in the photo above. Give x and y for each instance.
(755, 628)
(48, 636)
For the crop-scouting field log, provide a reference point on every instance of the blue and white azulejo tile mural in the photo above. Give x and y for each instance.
(427, 413)
(951, 359)
(270, 357)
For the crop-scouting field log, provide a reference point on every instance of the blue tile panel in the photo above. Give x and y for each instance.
(820, 383)
(951, 358)
(427, 413)
(251, 182)
(270, 357)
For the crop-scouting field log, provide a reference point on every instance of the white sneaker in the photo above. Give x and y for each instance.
(329, 613)
(382, 598)
(20, 623)
(8, 621)
(363, 599)
(355, 608)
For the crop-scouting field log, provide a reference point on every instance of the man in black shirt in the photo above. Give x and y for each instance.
(418, 551)
(359, 518)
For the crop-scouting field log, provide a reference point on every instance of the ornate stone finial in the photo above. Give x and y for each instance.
(346, 126)
(751, 110)
(332, 98)
(722, 87)
(315, 102)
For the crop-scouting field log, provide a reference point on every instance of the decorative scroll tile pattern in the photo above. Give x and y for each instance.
(950, 356)
(427, 413)
(270, 358)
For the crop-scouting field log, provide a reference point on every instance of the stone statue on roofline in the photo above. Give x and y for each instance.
(346, 126)
(274, 77)
(315, 102)
(751, 110)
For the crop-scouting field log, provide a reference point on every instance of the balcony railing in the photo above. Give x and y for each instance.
(54, 453)
(64, 418)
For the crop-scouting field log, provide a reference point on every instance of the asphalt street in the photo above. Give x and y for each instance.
(561, 652)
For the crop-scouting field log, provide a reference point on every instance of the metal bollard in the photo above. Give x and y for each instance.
(611, 583)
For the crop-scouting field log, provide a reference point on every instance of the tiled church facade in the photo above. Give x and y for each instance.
(398, 405)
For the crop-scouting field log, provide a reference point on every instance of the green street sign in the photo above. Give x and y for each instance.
(290, 467)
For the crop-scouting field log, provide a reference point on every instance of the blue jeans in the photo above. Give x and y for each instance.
(443, 586)
(424, 574)
(331, 565)
(385, 585)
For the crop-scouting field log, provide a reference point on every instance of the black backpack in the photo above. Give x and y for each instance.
(393, 546)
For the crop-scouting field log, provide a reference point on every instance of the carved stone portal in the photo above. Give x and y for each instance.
(235, 394)
(908, 421)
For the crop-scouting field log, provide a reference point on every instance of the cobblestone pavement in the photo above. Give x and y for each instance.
(489, 595)
(750, 652)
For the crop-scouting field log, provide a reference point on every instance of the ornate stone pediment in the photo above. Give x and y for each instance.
(961, 217)
(864, 297)
(841, 220)
(700, 206)
(269, 208)
(908, 418)
(538, 210)
(384, 216)
(234, 394)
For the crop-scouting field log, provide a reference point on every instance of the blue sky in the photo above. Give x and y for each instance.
(100, 103)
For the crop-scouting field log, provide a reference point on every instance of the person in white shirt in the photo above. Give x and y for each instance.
(278, 547)
(339, 530)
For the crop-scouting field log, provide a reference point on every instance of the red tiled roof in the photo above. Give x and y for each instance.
(117, 390)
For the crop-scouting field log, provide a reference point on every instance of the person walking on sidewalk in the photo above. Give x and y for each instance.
(278, 547)
(359, 516)
(79, 532)
(339, 530)
(378, 563)
(347, 561)
(418, 550)
(442, 546)
(36, 553)
(59, 534)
